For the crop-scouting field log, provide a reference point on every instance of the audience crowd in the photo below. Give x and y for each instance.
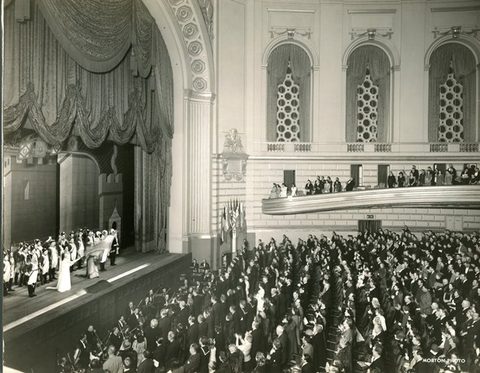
(470, 175)
(378, 302)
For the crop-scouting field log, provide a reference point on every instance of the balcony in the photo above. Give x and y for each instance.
(459, 197)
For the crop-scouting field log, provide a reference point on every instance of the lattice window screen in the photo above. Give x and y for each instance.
(288, 129)
(451, 110)
(367, 106)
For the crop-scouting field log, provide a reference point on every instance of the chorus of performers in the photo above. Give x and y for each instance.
(52, 261)
(384, 302)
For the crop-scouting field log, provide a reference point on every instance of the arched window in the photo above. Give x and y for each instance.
(288, 94)
(451, 101)
(368, 95)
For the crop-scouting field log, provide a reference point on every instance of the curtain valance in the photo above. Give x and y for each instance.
(49, 89)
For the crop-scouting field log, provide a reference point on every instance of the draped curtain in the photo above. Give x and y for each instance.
(379, 65)
(98, 69)
(48, 88)
(464, 70)
(301, 73)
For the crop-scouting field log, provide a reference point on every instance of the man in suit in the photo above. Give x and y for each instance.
(350, 185)
(184, 313)
(164, 324)
(82, 353)
(172, 351)
(376, 361)
(307, 364)
(146, 366)
(152, 333)
(192, 331)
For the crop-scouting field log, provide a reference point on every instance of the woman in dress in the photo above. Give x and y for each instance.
(401, 180)
(391, 180)
(294, 190)
(283, 191)
(64, 282)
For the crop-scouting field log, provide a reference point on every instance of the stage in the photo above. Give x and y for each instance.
(38, 329)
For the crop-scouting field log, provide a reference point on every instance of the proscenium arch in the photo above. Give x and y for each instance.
(381, 43)
(465, 40)
(303, 43)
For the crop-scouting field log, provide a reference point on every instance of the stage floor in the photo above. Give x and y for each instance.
(18, 308)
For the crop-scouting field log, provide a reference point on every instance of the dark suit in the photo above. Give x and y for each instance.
(183, 316)
(202, 329)
(172, 352)
(146, 366)
(165, 325)
(192, 334)
(308, 368)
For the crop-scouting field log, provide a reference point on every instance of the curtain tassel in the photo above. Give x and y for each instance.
(133, 63)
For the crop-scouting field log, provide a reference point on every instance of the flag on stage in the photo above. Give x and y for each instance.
(224, 224)
(227, 220)
(241, 216)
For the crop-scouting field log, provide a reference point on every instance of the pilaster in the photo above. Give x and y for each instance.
(199, 109)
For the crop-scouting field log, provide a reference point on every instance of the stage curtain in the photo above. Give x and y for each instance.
(379, 65)
(464, 70)
(48, 89)
(95, 33)
(301, 73)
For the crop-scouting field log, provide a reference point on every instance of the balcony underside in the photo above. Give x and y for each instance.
(459, 197)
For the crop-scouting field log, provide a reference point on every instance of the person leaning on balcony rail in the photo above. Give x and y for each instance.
(283, 191)
(294, 190)
(401, 180)
(391, 180)
(475, 177)
(309, 188)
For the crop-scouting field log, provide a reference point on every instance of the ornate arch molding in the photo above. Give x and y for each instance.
(469, 41)
(380, 42)
(194, 32)
(303, 43)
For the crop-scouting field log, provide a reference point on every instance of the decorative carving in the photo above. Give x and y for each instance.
(233, 143)
(189, 20)
(190, 30)
(200, 84)
(234, 158)
(195, 48)
(184, 13)
(456, 31)
(291, 32)
(198, 66)
(372, 33)
(207, 12)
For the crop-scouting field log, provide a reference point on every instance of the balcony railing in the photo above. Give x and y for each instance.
(458, 197)
(368, 148)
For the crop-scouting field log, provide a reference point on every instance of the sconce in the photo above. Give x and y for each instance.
(456, 31)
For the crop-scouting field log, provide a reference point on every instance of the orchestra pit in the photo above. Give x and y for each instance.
(241, 186)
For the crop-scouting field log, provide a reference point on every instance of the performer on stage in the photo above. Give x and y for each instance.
(98, 252)
(32, 274)
(114, 248)
(64, 281)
